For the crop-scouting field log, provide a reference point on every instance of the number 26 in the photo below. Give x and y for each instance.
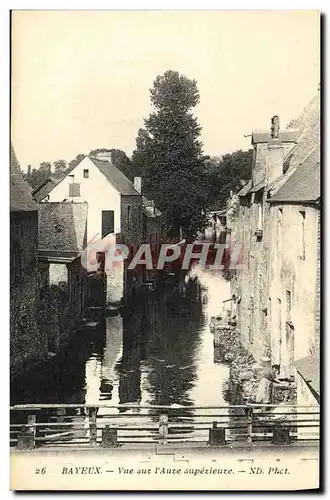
(41, 471)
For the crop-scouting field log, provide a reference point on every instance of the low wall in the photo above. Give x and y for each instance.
(28, 343)
(54, 316)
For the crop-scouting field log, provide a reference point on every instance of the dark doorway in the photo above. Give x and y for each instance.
(108, 226)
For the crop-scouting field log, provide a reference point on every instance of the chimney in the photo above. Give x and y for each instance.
(274, 164)
(275, 127)
(104, 156)
(29, 170)
(138, 184)
(268, 153)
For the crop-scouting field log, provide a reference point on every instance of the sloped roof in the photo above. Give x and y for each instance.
(259, 136)
(53, 181)
(62, 226)
(304, 184)
(245, 189)
(123, 185)
(149, 208)
(217, 212)
(260, 185)
(20, 192)
(308, 123)
(308, 368)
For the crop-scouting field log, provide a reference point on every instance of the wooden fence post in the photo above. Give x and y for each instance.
(249, 414)
(92, 426)
(281, 435)
(163, 429)
(109, 437)
(217, 435)
(26, 439)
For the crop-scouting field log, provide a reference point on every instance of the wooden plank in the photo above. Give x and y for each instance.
(179, 407)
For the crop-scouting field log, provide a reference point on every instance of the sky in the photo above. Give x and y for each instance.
(81, 79)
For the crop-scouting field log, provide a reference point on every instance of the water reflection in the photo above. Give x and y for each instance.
(160, 353)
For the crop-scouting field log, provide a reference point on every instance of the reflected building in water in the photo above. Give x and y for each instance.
(159, 353)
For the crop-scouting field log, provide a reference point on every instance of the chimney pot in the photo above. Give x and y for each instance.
(275, 127)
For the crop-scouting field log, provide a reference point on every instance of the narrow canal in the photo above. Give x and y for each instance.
(160, 353)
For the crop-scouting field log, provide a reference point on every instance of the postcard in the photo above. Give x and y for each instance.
(165, 250)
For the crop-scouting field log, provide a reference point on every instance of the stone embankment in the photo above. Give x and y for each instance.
(244, 374)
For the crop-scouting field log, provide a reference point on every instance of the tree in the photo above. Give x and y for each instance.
(37, 175)
(60, 166)
(170, 157)
(73, 163)
(45, 166)
(225, 174)
(120, 159)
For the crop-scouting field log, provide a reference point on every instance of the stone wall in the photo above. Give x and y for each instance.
(28, 344)
(293, 285)
(61, 306)
(250, 282)
(132, 236)
(58, 273)
(152, 235)
(306, 398)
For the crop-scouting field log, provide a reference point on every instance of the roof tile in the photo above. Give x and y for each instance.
(304, 184)
(20, 192)
(116, 177)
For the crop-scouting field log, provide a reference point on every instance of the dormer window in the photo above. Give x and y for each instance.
(86, 173)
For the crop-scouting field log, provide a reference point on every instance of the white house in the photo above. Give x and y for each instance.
(114, 208)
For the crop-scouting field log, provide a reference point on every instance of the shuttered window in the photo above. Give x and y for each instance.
(74, 189)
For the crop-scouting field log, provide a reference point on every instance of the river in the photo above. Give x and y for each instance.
(161, 353)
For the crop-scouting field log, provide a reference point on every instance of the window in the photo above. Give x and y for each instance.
(260, 217)
(279, 228)
(86, 173)
(251, 335)
(301, 235)
(74, 189)
(279, 319)
(108, 226)
(128, 216)
(289, 348)
(288, 301)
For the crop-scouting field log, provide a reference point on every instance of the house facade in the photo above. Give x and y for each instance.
(249, 227)
(276, 222)
(62, 279)
(114, 212)
(28, 344)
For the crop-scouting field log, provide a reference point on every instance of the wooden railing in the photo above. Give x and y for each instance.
(49, 425)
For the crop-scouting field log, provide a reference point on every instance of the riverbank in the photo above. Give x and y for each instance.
(244, 372)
